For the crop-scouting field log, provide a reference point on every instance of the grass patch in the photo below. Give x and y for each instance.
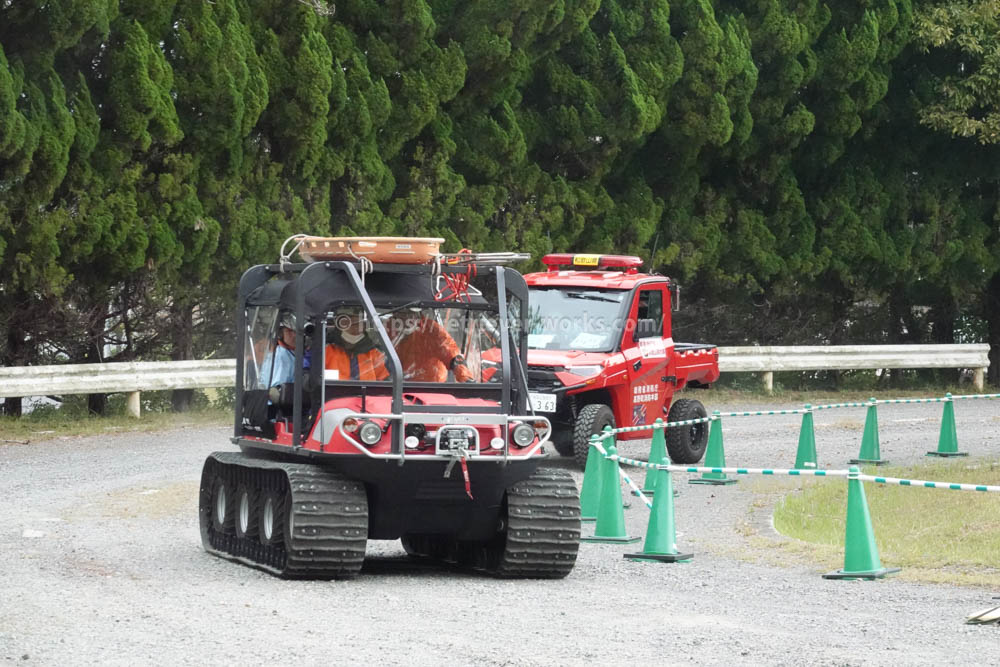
(56, 423)
(934, 535)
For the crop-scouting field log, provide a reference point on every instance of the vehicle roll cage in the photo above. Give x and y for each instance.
(319, 287)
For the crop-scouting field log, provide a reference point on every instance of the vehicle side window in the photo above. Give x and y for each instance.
(260, 342)
(650, 308)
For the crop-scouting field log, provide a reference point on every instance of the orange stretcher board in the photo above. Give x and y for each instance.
(378, 249)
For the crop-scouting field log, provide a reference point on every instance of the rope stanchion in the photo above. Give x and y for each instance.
(948, 439)
(715, 456)
(861, 559)
(805, 455)
(590, 490)
(657, 454)
(661, 534)
(870, 454)
(610, 526)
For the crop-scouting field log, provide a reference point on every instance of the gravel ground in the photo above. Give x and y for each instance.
(103, 564)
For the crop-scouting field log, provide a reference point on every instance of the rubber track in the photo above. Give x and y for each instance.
(543, 529)
(329, 517)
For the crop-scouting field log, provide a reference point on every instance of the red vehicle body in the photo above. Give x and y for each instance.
(601, 352)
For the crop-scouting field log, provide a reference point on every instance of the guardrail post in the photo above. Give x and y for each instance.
(132, 405)
(769, 382)
(978, 379)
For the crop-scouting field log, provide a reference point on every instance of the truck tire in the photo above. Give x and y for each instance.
(592, 419)
(563, 442)
(686, 444)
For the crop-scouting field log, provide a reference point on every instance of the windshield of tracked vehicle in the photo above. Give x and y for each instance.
(574, 319)
(434, 344)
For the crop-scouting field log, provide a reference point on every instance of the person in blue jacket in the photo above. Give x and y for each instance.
(279, 364)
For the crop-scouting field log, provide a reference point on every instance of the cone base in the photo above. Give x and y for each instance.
(611, 540)
(862, 574)
(805, 466)
(947, 454)
(661, 558)
(870, 462)
(715, 482)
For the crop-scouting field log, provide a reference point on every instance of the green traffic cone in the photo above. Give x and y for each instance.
(657, 455)
(869, 441)
(590, 491)
(661, 536)
(610, 525)
(805, 457)
(715, 456)
(860, 553)
(608, 437)
(948, 441)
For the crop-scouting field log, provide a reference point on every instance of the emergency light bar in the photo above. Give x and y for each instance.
(556, 260)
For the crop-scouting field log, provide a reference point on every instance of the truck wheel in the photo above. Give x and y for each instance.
(563, 441)
(686, 444)
(592, 419)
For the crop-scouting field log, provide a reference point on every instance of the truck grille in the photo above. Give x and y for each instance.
(543, 378)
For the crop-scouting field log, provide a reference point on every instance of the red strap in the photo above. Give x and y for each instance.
(465, 473)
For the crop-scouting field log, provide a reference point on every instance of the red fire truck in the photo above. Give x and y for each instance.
(601, 353)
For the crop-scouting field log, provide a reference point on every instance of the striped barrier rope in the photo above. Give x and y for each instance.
(763, 413)
(798, 411)
(930, 485)
(831, 406)
(732, 471)
(974, 396)
(809, 473)
(654, 425)
(888, 401)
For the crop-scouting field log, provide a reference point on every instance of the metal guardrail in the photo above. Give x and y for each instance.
(138, 376)
(767, 360)
(122, 377)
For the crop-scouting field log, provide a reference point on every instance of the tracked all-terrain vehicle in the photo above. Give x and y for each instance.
(381, 393)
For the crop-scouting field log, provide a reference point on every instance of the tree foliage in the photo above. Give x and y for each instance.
(812, 171)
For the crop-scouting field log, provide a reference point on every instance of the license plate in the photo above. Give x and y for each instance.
(543, 402)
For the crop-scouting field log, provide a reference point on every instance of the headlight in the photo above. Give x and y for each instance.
(496, 443)
(523, 435)
(584, 371)
(370, 433)
(350, 425)
(411, 442)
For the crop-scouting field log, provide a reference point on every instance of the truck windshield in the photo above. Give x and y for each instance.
(574, 319)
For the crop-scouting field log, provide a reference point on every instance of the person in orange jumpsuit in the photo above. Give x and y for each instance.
(427, 351)
(352, 352)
